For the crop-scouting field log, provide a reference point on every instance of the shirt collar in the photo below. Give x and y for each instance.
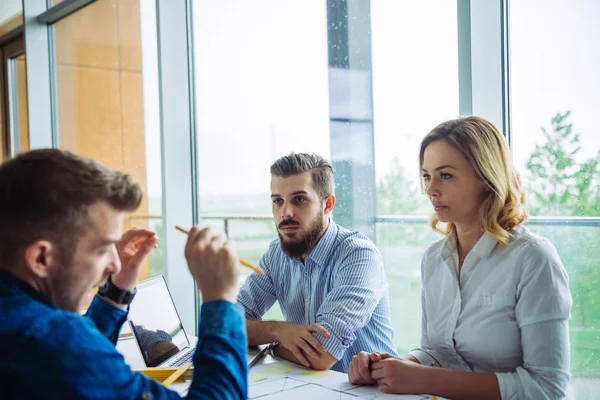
(320, 252)
(485, 245)
(11, 285)
(483, 248)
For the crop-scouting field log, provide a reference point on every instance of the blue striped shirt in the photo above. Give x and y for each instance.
(341, 285)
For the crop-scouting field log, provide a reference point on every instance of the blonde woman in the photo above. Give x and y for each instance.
(495, 297)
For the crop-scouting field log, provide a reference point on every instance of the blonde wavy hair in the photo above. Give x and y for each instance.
(484, 147)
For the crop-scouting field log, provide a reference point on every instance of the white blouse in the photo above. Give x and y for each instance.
(508, 314)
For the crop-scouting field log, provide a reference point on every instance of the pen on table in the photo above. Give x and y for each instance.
(258, 357)
(245, 263)
(177, 374)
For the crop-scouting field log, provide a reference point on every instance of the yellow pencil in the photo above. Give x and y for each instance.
(245, 263)
(176, 374)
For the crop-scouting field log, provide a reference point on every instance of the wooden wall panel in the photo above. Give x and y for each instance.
(22, 103)
(100, 90)
(90, 101)
(130, 35)
(89, 37)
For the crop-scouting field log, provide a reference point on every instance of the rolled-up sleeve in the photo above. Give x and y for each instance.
(543, 310)
(257, 295)
(359, 285)
(545, 370)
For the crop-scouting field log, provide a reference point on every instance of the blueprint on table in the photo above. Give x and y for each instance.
(287, 381)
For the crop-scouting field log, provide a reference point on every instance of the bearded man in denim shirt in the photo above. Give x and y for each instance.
(60, 237)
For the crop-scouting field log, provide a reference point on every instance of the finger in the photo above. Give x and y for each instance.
(145, 249)
(363, 369)
(386, 355)
(135, 233)
(314, 342)
(194, 238)
(231, 248)
(199, 235)
(300, 357)
(375, 357)
(385, 388)
(307, 348)
(377, 374)
(377, 365)
(351, 373)
(319, 329)
(217, 242)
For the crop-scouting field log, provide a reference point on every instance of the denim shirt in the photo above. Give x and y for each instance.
(49, 353)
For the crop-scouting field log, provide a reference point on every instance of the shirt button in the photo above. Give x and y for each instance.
(306, 301)
(306, 274)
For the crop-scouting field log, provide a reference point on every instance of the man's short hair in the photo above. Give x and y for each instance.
(46, 194)
(298, 163)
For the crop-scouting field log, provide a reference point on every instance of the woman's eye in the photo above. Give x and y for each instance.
(426, 177)
(445, 176)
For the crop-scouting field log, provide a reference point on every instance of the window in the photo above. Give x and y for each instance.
(554, 99)
(415, 87)
(107, 98)
(261, 92)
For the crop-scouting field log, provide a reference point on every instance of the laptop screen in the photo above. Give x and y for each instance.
(155, 322)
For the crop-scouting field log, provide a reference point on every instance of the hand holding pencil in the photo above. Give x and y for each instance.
(212, 261)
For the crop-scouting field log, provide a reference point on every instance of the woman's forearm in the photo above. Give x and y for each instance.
(461, 385)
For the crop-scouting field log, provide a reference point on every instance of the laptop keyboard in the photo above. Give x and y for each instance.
(185, 357)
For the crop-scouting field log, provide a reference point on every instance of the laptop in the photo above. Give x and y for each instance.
(155, 324)
(155, 327)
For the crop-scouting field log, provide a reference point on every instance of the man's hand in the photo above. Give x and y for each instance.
(398, 375)
(299, 340)
(133, 248)
(213, 264)
(359, 370)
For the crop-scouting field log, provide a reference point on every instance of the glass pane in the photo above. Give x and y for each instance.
(415, 87)
(108, 97)
(11, 15)
(259, 95)
(402, 245)
(556, 142)
(261, 92)
(19, 126)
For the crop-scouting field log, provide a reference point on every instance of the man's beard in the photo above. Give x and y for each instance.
(297, 247)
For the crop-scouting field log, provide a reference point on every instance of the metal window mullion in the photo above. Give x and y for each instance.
(178, 147)
(62, 10)
(39, 67)
(483, 57)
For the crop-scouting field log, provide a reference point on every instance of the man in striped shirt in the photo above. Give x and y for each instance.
(329, 281)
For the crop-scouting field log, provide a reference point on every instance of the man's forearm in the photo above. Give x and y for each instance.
(261, 332)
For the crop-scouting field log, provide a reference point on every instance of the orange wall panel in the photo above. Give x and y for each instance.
(130, 35)
(89, 99)
(89, 37)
